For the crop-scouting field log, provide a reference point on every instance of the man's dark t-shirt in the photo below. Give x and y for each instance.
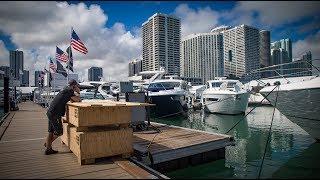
(58, 104)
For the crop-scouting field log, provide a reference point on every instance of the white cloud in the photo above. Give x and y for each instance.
(4, 55)
(310, 43)
(37, 27)
(196, 21)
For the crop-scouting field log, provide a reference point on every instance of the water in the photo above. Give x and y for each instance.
(290, 153)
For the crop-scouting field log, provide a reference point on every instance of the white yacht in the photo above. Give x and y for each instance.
(146, 77)
(169, 95)
(255, 85)
(225, 96)
(96, 90)
(299, 101)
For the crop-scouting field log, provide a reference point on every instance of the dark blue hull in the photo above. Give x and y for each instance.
(167, 105)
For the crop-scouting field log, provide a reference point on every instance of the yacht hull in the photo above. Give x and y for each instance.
(168, 105)
(227, 104)
(257, 99)
(301, 106)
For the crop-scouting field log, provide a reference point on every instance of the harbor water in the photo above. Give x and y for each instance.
(290, 152)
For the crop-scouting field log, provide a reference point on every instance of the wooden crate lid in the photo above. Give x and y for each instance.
(107, 103)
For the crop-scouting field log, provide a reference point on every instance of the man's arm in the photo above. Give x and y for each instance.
(75, 99)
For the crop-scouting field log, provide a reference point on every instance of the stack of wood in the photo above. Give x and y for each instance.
(98, 129)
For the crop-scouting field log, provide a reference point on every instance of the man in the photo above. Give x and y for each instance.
(57, 109)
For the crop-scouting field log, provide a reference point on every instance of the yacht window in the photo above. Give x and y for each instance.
(207, 85)
(212, 99)
(106, 88)
(216, 84)
(231, 84)
(169, 85)
(163, 86)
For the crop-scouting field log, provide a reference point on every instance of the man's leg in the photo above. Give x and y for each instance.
(50, 138)
(48, 141)
(55, 130)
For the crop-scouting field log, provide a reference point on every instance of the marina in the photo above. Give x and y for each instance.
(164, 90)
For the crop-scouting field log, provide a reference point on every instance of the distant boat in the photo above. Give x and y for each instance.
(225, 96)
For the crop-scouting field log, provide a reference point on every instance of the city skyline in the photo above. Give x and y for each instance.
(113, 38)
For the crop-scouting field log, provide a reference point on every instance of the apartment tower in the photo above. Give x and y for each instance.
(161, 43)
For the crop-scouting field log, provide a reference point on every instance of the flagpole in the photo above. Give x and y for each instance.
(68, 64)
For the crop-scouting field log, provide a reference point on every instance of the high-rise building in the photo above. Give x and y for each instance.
(36, 78)
(264, 48)
(241, 51)
(25, 78)
(95, 73)
(161, 43)
(279, 56)
(16, 64)
(285, 45)
(135, 67)
(6, 70)
(202, 56)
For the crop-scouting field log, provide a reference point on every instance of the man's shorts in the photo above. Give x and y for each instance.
(55, 124)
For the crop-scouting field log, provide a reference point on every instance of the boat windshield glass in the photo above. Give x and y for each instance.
(216, 84)
(106, 88)
(231, 84)
(163, 86)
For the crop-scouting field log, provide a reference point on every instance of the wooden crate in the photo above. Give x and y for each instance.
(85, 115)
(88, 146)
(65, 138)
(64, 119)
(100, 112)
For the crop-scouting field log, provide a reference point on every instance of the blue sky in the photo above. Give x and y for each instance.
(133, 13)
(111, 30)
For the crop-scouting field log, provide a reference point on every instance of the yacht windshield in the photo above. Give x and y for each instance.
(163, 86)
(231, 84)
(216, 84)
(106, 88)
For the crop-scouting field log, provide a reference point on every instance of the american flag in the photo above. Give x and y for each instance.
(52, 66)
(61, 56)
(77, 44)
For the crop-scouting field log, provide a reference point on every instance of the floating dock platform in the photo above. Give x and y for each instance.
(167, 147)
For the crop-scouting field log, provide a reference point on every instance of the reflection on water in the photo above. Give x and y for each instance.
(243, 160)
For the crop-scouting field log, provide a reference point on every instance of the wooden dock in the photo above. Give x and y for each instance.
(22, 153)
(167, 148)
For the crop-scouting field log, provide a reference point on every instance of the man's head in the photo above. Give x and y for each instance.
(74, 85)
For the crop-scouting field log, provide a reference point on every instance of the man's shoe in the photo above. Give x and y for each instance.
(50, 151)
